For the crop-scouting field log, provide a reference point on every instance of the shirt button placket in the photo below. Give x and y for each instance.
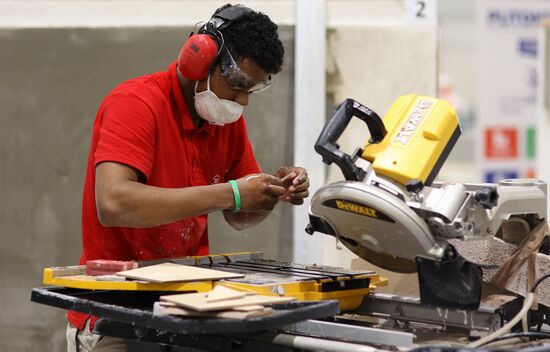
(195, 157)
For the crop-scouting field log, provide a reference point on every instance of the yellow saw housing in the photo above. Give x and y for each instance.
(421, 133)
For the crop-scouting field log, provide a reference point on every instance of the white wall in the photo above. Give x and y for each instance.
(98, 13)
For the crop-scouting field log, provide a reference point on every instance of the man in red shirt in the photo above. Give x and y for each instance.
(171, 147)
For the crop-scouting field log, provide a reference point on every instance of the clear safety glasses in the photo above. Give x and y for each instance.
(237, 78)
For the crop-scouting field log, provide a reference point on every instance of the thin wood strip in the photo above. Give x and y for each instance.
(532, 278)
(526, 248)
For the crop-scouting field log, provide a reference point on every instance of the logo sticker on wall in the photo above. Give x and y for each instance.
(496, 176)
(501, 142)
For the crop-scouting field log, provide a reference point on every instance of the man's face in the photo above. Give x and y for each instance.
(231, 87)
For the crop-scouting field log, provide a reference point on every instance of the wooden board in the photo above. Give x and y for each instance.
(161, 310)
(220, 293)
(239, 308)
(248, 308)
(197, 301)
(170, 272)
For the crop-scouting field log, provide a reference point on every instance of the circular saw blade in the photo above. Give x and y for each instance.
(382, 260)
(375, 224)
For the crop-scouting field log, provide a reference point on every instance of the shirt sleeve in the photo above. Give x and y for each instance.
(127, 133)
(245, 162)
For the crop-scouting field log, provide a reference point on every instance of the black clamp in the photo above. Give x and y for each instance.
(487, 197)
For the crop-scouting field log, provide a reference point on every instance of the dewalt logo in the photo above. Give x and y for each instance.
(357, 208)
(412, 123)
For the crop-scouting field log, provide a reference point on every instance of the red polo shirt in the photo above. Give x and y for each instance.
(144, 123)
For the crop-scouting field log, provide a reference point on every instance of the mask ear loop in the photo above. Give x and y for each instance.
(223, 42)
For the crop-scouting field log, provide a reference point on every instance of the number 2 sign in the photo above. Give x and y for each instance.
(421, 10)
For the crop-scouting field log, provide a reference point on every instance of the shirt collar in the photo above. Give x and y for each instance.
(181, 106)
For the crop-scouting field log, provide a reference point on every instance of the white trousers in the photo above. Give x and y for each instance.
(85, 341)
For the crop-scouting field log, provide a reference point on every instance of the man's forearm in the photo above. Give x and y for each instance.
(133, 204)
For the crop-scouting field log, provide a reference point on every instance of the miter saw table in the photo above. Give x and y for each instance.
(377, 319)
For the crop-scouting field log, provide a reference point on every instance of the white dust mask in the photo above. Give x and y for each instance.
(215, 110)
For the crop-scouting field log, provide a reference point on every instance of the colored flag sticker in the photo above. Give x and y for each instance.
(531, 142)
(501, 143)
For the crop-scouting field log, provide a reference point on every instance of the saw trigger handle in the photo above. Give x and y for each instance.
(326, 144)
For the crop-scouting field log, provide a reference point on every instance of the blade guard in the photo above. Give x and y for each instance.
(452, 282)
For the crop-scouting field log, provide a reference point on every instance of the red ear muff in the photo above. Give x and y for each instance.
(197, 56)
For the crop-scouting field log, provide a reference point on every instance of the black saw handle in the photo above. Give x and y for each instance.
(326, 144)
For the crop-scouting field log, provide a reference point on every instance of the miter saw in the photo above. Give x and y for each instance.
(390, 212)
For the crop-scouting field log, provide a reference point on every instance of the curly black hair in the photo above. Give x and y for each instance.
(253, 35)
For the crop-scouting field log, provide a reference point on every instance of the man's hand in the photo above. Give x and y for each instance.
(295, 182)
(260, 192)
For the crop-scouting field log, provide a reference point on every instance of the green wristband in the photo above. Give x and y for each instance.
(236, 195)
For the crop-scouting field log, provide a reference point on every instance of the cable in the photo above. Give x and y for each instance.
(527, 303)
(537, 283)
(438, 348)
(525, 323)
(540, 279)
(530, 335)
(542, 348)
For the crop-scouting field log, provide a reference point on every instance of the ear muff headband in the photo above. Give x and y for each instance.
(200, 51)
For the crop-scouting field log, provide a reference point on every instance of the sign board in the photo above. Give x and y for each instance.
(506, 86)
